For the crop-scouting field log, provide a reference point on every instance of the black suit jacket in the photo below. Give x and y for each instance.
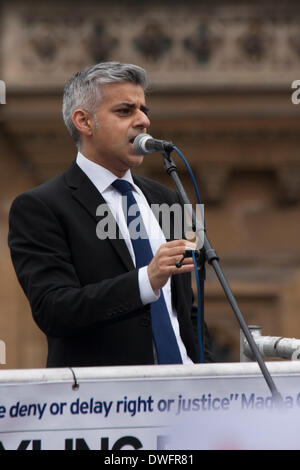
(84, 291)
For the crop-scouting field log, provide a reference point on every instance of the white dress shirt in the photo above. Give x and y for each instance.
(102, 180)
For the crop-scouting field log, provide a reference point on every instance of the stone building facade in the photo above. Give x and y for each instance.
(222, 75)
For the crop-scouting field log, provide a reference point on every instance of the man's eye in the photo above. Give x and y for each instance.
(123, 111)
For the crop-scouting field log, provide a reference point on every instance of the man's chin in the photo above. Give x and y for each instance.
(135, 160)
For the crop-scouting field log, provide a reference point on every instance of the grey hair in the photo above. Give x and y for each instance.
(83, 89)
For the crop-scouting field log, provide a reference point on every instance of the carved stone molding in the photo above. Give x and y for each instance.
(196, 43)
(213, 182)
(289, 184)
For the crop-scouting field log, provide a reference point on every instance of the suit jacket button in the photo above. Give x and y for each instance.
(145, 321)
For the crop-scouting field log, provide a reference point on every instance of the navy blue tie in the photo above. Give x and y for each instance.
(164, 338)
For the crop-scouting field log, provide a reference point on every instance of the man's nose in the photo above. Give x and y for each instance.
(142, 120)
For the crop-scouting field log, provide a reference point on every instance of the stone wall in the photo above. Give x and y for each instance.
(221, 76)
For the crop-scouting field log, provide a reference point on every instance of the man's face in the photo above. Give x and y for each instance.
(121, 116)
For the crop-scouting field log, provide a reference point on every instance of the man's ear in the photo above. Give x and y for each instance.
(83, 122)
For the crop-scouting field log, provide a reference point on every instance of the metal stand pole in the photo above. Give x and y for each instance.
(213, 259)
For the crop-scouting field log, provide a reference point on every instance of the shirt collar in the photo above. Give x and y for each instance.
(100, 176)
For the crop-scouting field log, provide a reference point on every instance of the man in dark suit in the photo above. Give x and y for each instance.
(88, 292)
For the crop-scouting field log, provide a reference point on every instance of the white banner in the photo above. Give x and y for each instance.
(210, 412)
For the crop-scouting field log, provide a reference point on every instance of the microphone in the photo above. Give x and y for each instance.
(144, 143)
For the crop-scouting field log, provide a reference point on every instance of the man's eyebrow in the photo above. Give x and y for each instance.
(144, 108)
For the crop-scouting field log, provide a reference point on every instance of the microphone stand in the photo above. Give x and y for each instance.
(212, 258)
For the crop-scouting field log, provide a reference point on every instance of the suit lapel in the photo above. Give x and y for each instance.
(87, 195)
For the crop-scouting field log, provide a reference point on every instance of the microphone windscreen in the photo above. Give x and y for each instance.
(139, 143)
